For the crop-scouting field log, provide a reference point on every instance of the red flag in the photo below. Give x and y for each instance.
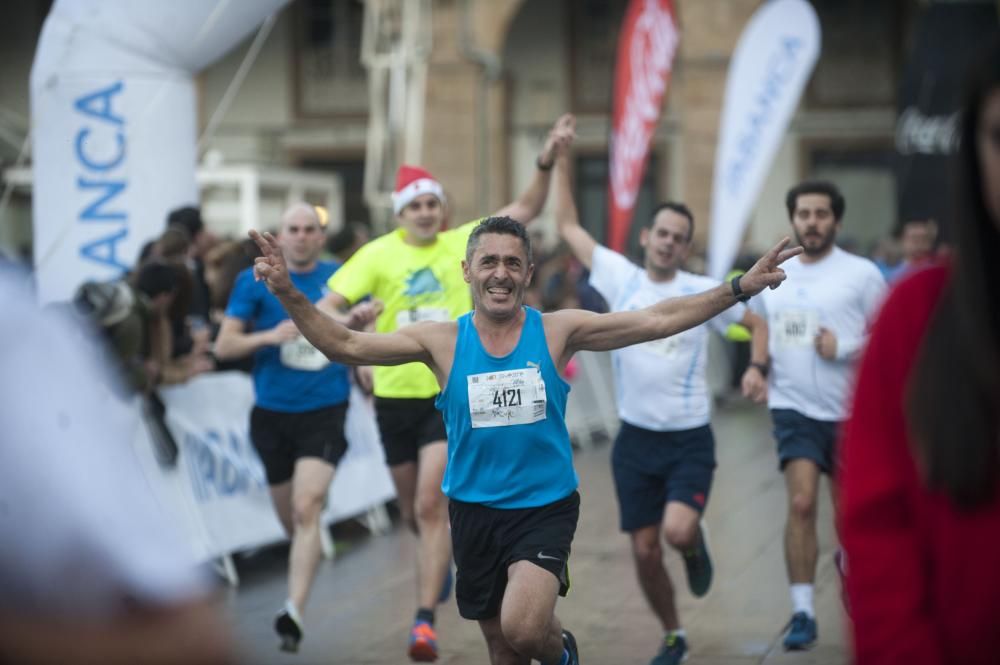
(646, 46)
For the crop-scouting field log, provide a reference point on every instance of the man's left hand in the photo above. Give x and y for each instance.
(826, 344)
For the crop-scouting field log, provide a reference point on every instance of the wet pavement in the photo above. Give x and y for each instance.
(363, 600)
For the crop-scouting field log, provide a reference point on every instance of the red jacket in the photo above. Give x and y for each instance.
(923, 580)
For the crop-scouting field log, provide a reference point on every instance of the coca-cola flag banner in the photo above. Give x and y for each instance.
(769, 69)
(646, 46)
(947, 38)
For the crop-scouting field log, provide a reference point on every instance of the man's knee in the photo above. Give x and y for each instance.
(646, 548)
(306, 508)
(431, 506)
(802, 506)
(525, 638)
(681, 534)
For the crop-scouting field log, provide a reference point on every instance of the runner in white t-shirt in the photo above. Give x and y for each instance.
(818, 324)
(664, 454)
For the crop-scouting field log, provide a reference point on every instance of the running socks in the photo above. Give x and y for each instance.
(425, 615)
(802, 599)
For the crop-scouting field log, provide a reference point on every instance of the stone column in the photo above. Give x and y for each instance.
(709, 32)
(465, 135)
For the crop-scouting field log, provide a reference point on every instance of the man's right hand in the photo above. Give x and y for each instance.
(364, 314)
(285, 331)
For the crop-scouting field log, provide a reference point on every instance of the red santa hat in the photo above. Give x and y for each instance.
(411, 182)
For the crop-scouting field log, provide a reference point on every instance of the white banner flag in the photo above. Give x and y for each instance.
(768, 71)
(113, 126)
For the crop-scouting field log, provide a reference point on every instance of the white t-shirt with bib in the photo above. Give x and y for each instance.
(660, 385)
(842, 293)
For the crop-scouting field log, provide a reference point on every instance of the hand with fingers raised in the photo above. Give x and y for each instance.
(766, 272)
(270, 266)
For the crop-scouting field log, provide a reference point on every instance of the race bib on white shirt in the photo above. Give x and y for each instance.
(300, 354)
(796, 328)
(417, 314)
(512, 397)
(668, 347)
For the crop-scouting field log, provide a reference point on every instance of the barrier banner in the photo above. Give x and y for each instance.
(768, 72)
(647, 43)
(218, 489)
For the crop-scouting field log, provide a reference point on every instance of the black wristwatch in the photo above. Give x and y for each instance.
(737, 291)
(761, 367)
(544, 167)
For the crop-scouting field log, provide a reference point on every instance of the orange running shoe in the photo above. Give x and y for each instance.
(423, 643)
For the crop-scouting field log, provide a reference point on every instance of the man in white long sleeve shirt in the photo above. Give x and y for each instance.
(817, 329)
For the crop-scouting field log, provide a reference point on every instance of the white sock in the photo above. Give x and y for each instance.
(679, 632)
(802, 599)
(293, 611)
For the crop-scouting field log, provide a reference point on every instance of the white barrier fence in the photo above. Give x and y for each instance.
(218, 491)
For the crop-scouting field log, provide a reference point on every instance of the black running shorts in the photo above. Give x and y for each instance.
(282, 438)
(486, 541)
(406, 426)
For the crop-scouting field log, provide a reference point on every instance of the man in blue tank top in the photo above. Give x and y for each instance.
(510, 478)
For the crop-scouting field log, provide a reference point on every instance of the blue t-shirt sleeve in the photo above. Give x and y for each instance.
(243, 300)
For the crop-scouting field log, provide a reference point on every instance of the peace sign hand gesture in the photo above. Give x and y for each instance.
(271, 267)
(766, 273)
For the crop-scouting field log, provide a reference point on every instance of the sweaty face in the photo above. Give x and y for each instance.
(988, 152)
(666, 243)
(814, 224)
(498, 273)
(422, 218)
(301, 239)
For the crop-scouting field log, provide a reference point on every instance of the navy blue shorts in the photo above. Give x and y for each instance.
(652, 469)
(802, 437)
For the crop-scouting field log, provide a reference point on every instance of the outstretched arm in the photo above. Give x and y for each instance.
(526, 207)
(603, 332)
(334, 340)
(580, 242)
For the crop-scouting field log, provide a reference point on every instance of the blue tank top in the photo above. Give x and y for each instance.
(506, 419)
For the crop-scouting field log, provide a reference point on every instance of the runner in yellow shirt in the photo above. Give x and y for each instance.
(415, 272)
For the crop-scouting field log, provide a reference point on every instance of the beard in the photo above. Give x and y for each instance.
(815, 244)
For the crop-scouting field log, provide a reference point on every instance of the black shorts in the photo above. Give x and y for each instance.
(802, 437)
(486, 541)
(406, 426)
(653, 468)
(282, 438)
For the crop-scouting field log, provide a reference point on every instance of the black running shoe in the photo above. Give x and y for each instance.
(289, 630)
(698, 563)
(569, 643)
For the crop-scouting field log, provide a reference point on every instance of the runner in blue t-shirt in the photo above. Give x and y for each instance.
(509, 478)
(297, 424)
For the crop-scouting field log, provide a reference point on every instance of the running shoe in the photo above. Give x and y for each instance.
(288, 625)
(423, 643)
(569, 643)
(673, 650)
(698, 563)
(801, 633)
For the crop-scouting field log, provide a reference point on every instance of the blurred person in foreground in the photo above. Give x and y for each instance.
(920, 507)
(91, 570)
